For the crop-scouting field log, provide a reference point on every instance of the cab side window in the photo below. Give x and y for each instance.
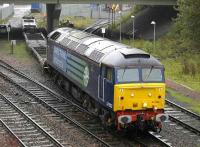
(109, 74)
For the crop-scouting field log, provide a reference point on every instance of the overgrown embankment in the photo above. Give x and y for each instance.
(179, 49)
(181, 65)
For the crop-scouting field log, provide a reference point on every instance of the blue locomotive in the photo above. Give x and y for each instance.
(124, 86)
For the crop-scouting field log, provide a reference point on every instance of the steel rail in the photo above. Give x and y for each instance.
(12, 133)
(159, 139)
(182, 109)
(59, 97)
(194, 130)
(31, 120)
(53, 109)
(186, 111)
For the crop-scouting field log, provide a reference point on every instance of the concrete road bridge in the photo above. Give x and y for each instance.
(136, 2)
(54, 6)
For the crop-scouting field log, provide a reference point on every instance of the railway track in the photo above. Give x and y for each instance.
(161, 139)
(69, 110)
(184, 117)
(97, 25)
(180, 116)
(24, 128)
(183, 120)
(8, 136)
(63, 108)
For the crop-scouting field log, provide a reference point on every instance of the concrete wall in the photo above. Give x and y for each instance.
(6, 11)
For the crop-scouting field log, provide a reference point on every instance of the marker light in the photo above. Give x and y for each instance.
(145, 105)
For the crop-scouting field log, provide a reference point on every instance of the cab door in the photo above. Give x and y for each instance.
(101, 79)
(106, 85)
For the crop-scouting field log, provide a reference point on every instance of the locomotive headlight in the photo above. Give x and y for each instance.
(149, 94)
(144, 105)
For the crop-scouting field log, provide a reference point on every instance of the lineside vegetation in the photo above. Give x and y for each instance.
(79, 22)
(194, 104)
(179, 49)
(19, 51)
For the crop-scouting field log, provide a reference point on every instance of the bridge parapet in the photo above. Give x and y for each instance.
(137, 2)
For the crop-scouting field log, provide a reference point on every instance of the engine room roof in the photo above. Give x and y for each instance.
(102, 50)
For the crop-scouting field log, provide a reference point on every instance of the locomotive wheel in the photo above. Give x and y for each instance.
(157, 127)
(90, 107)
(106, 120)
(97, 109)
(55, 77)
(85, 101)
(59, 81)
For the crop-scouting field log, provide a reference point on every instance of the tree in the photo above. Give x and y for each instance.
(188, 23)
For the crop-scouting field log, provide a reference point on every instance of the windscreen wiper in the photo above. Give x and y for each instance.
(123, 73)
(149, 73)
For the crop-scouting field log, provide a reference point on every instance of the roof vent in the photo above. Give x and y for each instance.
(137, 56)
(96, 55)
(134, 53)
(55, 35)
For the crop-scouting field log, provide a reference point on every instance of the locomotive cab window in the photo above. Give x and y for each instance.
(152, 74)
(129, 75)
(107, 72)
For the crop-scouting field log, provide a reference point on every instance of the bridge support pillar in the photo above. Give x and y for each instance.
(53, 14)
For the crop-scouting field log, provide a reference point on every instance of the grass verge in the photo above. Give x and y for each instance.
(79, 22)
(41, 19)
(19, 52)
(4, 21)
(194, 105)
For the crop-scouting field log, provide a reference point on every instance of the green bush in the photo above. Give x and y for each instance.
(187, 24)
(190, 65)
(186, 67)
(3, 21)
(79, 22)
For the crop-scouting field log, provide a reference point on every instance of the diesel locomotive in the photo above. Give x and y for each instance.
(124, 86)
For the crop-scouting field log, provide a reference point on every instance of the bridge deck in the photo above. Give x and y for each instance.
(137, 2)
